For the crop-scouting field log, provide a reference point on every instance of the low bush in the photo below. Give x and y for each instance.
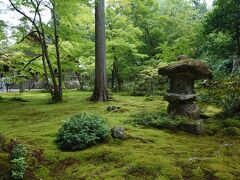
(82, 131)
(224, 93)
(148, 82)
(17, 154)
(161, 120)
(18, 151)
(18, 168)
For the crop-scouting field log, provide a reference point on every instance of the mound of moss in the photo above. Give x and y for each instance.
(161, 120)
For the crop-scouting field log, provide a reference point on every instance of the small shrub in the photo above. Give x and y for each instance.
(81, 132)
(225, 94)
(18, 151)
(148, 83)
(17, 156)
(18, 168)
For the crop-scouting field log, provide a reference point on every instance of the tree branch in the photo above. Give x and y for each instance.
(29, 34)
(37, 8)
(21, 12)
(25, 15)
(29, 62)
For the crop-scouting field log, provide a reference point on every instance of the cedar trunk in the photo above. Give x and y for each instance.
(100, 92)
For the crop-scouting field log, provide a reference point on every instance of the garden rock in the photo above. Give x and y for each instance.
(113, 108)
(118, 132)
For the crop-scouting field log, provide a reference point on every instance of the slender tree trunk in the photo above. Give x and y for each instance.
(29, 85)
(113, 79)
(100, 92)
(238, 39)
(21, 87)
(42, 40)
(45, 52)
(116, 74)
(60, 98)
(236, 65)
(115, 71)
(46, 77)
(79, 80)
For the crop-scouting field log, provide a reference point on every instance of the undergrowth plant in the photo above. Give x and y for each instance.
(82, 131)
(18, 154)
(224, 93)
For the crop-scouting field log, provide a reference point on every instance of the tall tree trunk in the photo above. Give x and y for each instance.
(100, 92)
(56, 42)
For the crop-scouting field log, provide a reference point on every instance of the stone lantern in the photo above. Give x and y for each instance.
(181, 95)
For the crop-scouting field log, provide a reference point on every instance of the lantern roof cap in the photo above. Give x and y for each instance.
(195, 68)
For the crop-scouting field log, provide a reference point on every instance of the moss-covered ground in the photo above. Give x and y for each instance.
(146, 153)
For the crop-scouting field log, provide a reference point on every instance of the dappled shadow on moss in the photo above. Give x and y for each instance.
(18, 99)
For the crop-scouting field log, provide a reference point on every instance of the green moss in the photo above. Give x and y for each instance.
(231, 123)
(197, 174)
(4, 166)
(146, 153)
(43, 173)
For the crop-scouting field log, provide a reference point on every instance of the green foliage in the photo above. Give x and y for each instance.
(148, 81)
(18, 154)
(224, 19)
(81, 132)
(18, 151)
(2, 34)
(18, 168)
(219, 44)
(225, 94)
